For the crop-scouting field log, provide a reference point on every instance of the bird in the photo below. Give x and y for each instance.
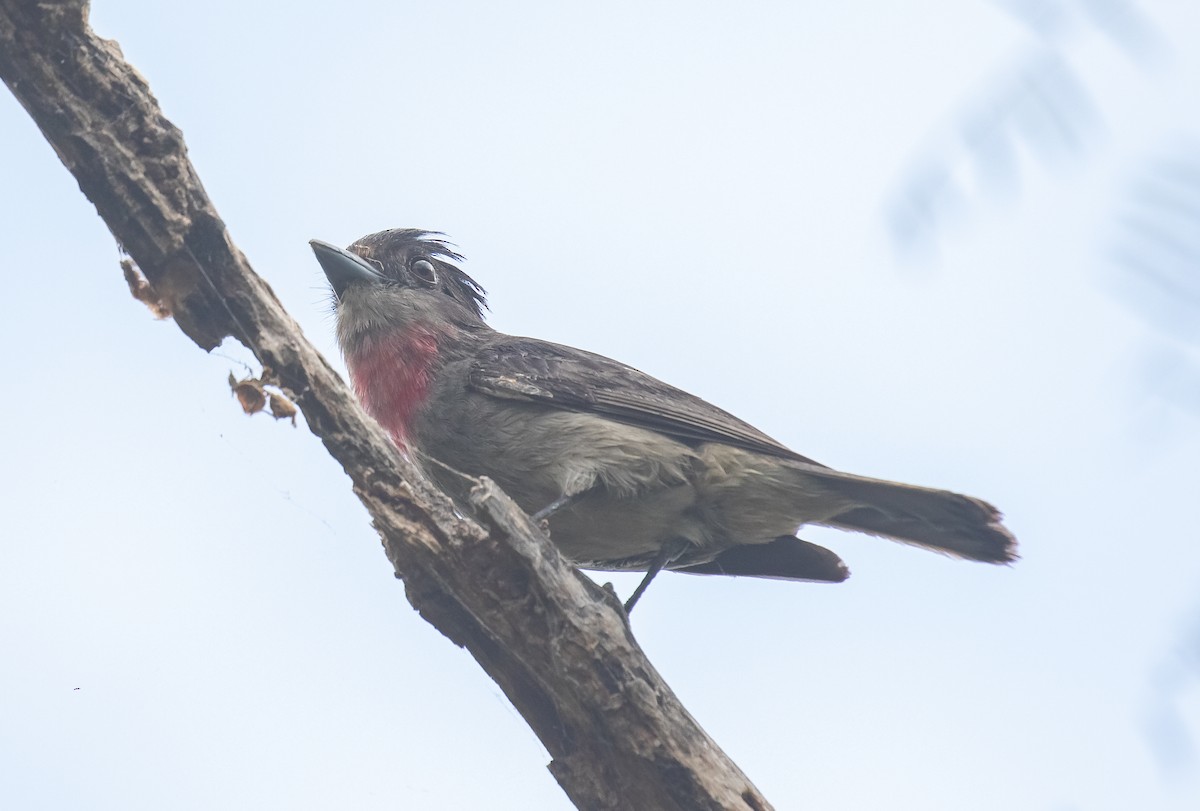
(626, 472)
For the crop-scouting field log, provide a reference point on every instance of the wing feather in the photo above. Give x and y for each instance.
(575, 380)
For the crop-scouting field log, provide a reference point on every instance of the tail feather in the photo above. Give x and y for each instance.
(938, 519)
(785, 558)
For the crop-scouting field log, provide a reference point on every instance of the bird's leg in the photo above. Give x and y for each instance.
(670, 551)
(559, 503)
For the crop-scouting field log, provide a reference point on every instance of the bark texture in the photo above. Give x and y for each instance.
(557, 645)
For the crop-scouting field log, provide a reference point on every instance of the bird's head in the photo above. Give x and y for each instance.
(399, 279)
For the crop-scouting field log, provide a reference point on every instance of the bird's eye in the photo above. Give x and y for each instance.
(423, 269)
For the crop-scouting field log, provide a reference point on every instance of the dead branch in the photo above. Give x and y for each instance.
(556, 644)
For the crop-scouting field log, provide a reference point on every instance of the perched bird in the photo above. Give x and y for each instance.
(631, 474)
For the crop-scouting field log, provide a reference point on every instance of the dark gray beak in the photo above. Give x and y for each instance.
(343, 268)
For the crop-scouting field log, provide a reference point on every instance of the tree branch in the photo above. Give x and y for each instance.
(557, 644)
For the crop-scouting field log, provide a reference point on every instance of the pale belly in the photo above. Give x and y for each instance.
(638, 489)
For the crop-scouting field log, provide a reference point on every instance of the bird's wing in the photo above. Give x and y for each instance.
(574, 380)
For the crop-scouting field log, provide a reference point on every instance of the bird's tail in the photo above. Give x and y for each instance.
(937, 519)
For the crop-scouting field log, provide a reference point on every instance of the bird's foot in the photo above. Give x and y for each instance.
(560, 503)
(669, 552)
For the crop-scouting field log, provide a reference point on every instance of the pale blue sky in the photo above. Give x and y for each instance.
(702, 191)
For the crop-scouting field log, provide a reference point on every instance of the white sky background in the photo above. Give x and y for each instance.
(195, 613)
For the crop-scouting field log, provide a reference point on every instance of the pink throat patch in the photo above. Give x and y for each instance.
(391, 377)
